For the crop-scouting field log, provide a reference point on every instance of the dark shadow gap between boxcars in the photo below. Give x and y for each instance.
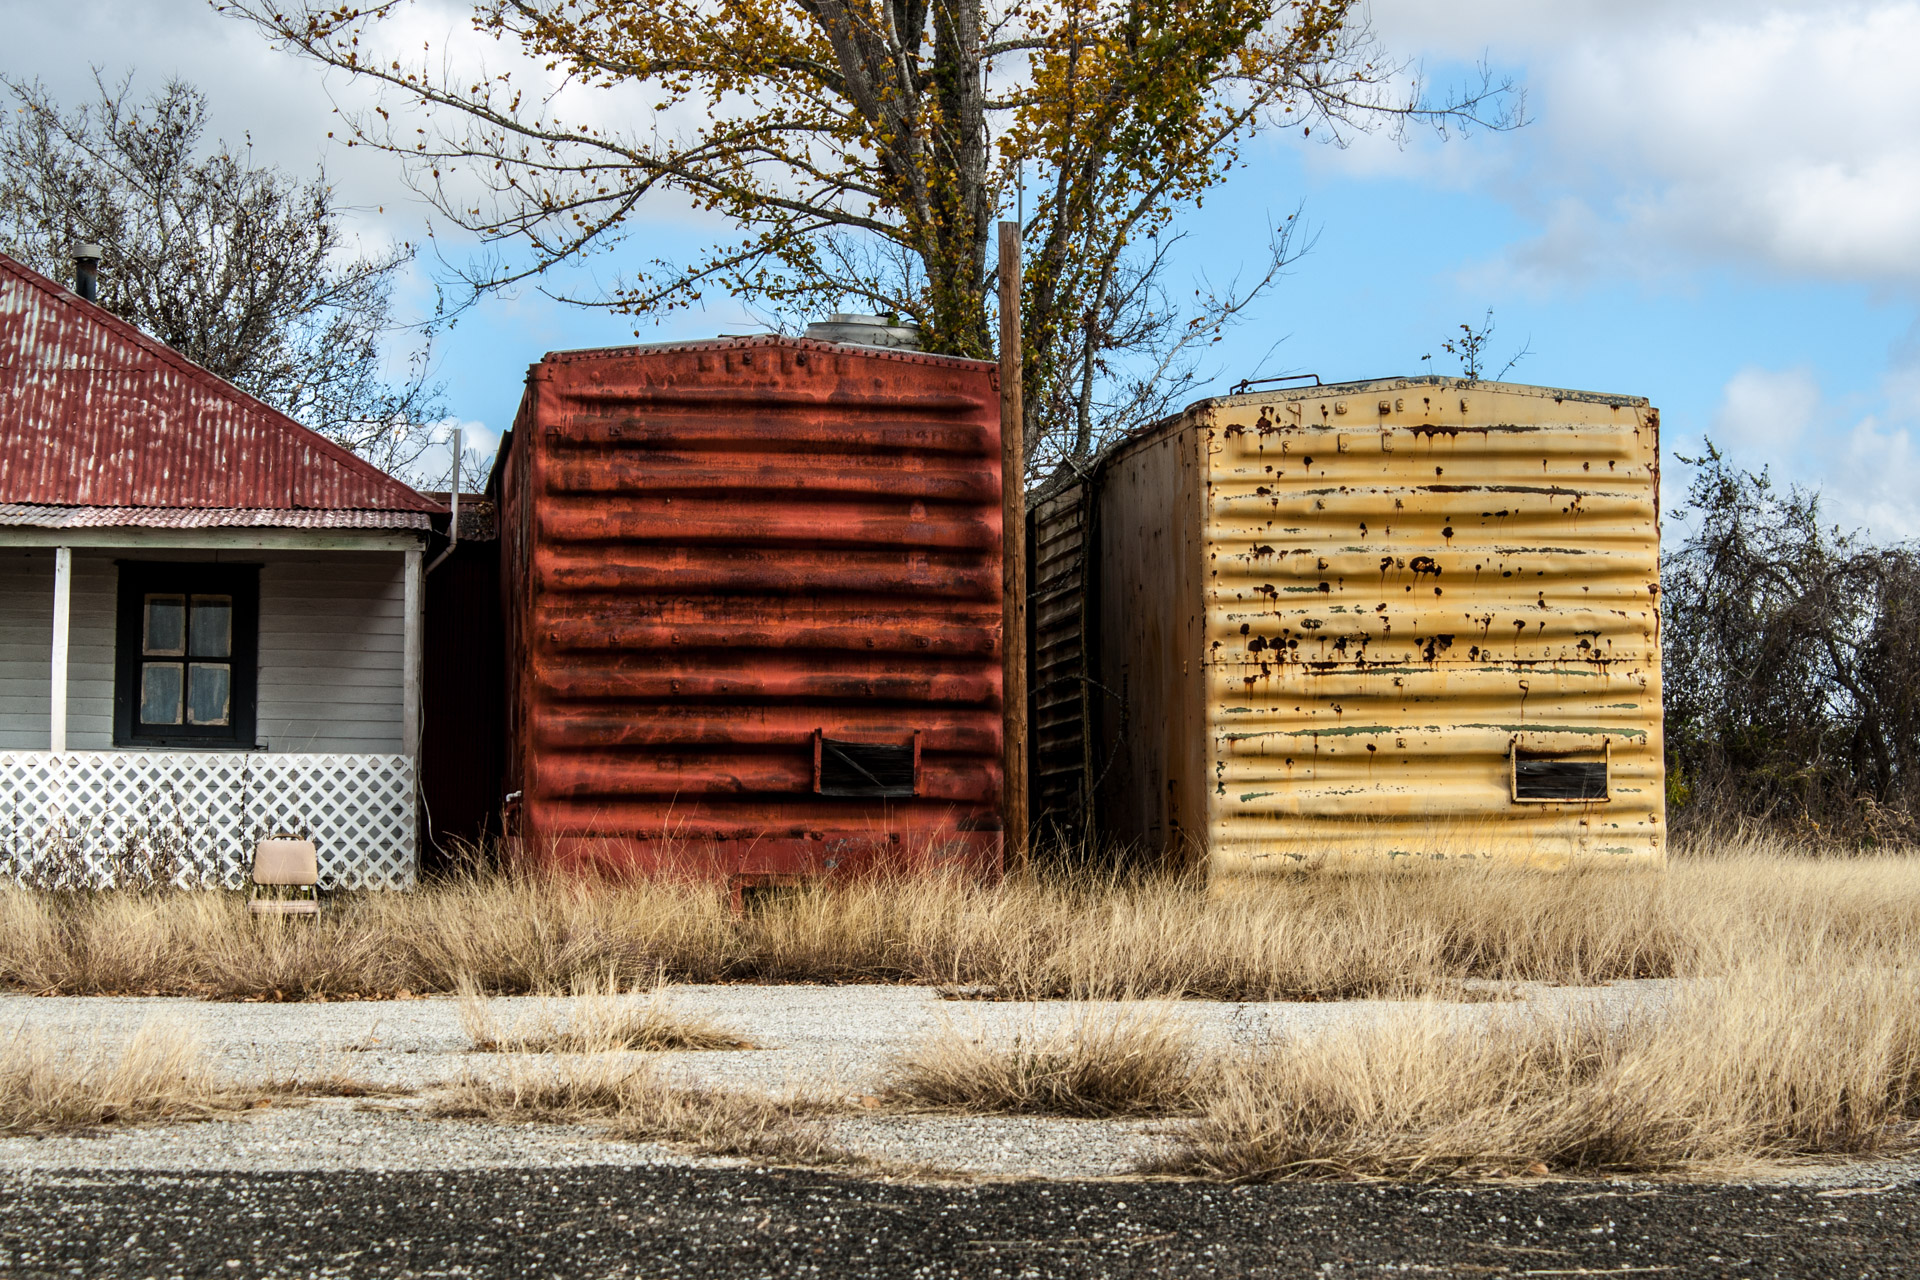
(463, 677)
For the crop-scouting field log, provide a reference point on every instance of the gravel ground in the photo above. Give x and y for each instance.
(838, 1037)
(370, 1188)
(837, 1040)
(708, 1222)
(329, 1136)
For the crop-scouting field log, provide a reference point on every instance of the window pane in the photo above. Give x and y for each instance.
(210, 631)
(166, 626)
(209, 691)
(160, 693)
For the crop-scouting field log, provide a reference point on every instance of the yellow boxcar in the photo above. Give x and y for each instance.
(1355, 624)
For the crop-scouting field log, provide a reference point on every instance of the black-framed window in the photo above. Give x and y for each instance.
(186, 655)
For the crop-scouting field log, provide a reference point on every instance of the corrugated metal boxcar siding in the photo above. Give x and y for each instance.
(724, 548)
(1062, 685)
(1405, 581)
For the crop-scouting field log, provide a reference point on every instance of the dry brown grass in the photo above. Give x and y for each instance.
(1774, 1060)
(600, 1018)
(160, 1074)
(1795, 1052)
(631, 1099)
(1098, 1065)
(1414, 931)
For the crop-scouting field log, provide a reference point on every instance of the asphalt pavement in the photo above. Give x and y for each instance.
(666, 1221)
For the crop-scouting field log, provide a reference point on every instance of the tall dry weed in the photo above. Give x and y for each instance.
(1774, 1059)
(1330, 935)
(600, 1018)
(631, 1099)
(158, 1074)
(1098, 1065)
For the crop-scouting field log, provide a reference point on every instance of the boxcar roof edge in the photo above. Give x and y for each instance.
(760, 340)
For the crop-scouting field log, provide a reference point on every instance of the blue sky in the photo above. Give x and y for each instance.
(1716, 205)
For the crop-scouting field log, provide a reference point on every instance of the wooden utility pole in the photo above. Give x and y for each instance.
(1013, 553)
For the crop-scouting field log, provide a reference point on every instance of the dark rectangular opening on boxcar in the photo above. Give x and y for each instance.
(1551, 778)
(865, 769)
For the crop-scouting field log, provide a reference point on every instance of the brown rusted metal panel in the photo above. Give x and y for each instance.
(1407, 619)
(95, 413)
(1064, 685)
(717, 555)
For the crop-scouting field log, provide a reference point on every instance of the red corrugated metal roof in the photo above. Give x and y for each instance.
(36, 516)
(95, 413)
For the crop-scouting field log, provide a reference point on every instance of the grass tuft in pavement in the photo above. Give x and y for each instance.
(159, 1075)
(601, 1019)
(1099, 1065)
(1773, 1060)
(631, 1099)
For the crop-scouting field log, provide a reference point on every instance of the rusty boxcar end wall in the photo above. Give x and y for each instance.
(717, 556)
(1344, 625)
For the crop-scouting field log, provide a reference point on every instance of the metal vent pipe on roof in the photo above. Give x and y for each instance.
(865, 331)
(86, 270)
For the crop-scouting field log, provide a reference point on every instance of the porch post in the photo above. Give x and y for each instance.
(415, 651)
(62, 608)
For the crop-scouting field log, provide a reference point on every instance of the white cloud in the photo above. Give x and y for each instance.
(1666, 134)
(1778, 132)
(1785, 137)
(1863, 463)
(1767, 412)
(474, 435)
(1873, 485)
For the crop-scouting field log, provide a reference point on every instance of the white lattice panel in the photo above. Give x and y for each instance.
(106, 818)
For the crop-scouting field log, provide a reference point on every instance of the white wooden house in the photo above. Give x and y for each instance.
(210, 617)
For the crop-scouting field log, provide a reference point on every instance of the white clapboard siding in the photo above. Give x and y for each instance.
(26, 640)
(26, 632)
(331, 648)
(332, 651)
(89, 651)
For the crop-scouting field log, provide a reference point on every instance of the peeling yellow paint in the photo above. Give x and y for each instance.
(1390, 613)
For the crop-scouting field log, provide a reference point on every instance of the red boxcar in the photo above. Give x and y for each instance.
(752, 598)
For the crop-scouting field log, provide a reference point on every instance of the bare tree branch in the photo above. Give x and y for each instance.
(907, 124)
(243, 270)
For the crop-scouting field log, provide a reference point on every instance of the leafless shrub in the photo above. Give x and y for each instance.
(245, 270)
(1791, 669)
(54, 859)
(153, 850)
